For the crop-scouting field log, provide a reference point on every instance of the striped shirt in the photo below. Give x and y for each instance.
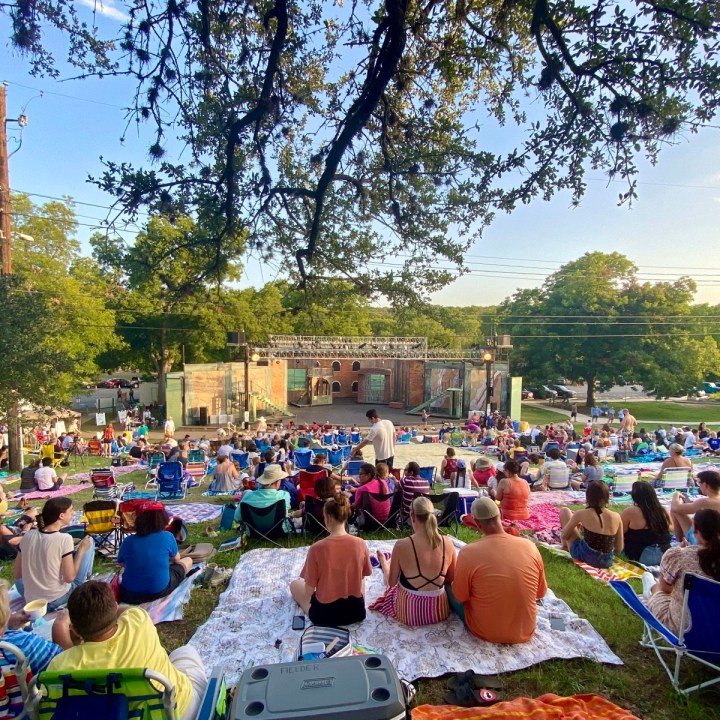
(36, 649)
(412, 485)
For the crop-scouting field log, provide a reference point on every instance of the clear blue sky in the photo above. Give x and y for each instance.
(671, 229)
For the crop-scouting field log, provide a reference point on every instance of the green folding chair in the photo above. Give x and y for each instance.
(124, 694)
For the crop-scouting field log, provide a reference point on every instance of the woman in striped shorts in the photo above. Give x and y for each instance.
(418, 571)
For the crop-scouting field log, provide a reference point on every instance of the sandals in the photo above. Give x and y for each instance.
(470, 690)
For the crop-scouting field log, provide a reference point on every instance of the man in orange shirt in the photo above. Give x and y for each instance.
(497, 581)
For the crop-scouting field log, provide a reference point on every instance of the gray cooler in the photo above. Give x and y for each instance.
(361, 687)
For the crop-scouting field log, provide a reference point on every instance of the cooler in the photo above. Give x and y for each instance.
(465, 499)
(361, 687)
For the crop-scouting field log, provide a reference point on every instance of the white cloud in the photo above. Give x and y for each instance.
(106, 8)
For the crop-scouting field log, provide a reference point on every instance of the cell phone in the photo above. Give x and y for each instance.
(298, 622)
(557, 623)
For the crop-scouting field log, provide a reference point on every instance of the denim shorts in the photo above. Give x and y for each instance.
(581, 551)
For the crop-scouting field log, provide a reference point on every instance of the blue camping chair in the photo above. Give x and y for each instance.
(355, 438)
(342, 439)
(241, 458)
(345, 449)
(303, 458)
(327, 439)
(427, 473)
(335, 457)
(262, 445)
(170, 482)
(353, 467)
(701, 642)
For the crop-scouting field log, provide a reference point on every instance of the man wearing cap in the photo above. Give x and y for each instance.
(497, 581)
(382, 437)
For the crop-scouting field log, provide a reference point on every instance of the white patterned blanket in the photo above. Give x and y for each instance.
(256, 611)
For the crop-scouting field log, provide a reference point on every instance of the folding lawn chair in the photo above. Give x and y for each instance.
(302, 458)
(354, 438)
(353, 467)
(313, 519)
(108, 694)
(154, 460)
(48, 451)
(427, 473)
(327, 439)
(241, 458)
(170, 483)
(197, 471)
(622, 484)
(14, 691)
(104, 485)
(403, 439)
(268, 523)
(674, 479)
(342, 439)
(127, 510)
(100, 516)
(372, 523)
(94, 447)
(196, 455)
(306, 483)
(335, 458)
(701, 642)
(447, 505)
(345, 450)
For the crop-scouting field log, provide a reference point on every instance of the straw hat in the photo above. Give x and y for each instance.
(272, 474)
(483, 463)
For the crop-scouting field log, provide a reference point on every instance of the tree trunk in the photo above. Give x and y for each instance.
(15, 438)
(590, 391)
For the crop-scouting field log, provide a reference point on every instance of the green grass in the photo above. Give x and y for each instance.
(639, 685)
(536, 415)
(692, 412)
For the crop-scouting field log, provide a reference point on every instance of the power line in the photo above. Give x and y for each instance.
(64, 95)
(109, 208)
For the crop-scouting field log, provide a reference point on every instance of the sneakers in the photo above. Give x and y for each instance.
(213, 576)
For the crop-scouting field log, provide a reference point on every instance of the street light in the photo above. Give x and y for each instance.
(488, 359)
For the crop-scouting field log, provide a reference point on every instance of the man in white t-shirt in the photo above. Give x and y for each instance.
(556, 474)
(382, 437)
(46, 478)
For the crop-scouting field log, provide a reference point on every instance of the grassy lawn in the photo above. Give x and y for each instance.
(640, 685)
(540, 415)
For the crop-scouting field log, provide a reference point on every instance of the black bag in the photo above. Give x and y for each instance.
(621, 456)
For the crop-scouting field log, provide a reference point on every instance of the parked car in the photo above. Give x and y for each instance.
(526, 394)
(123, 383)
(543, 392)
(144, 378)
(109, 384)
(564, 392)
(711, 387)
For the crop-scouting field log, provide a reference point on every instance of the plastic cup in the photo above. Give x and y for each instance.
(36, 609)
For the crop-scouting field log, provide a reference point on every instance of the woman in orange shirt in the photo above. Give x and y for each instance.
(331, 587)
(513, 493)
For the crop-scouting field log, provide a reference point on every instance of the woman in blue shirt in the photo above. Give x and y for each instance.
(152, 566)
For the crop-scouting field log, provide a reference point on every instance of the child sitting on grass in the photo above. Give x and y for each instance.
(106, 637)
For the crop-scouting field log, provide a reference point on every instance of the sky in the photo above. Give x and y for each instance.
(670, 230)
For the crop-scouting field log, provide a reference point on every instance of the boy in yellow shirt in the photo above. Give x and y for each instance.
(109, 638)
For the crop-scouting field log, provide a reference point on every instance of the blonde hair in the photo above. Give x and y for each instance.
(383, 470)
(4, 605)
(424, 512)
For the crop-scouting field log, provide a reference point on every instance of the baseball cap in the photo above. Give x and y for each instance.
(484, 508)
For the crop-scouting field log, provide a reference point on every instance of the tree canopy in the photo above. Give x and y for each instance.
(373, 141)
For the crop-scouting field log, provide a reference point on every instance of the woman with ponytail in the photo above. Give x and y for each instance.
(595, 534)
(48, 567)
(703, 559)
(331, 587)
(416, 575)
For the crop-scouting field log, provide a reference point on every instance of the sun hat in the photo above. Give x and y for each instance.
(272, 474)
(483, 463)
(484, 508)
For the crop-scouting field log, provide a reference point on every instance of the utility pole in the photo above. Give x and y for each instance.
(5, 259)
(15, 437)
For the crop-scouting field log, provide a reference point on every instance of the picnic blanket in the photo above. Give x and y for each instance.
(195, 512)
(619, 570)
(547, 707)
(165, 609)
(62, 491)
(252, 624)
(558, 498)
(117, 472)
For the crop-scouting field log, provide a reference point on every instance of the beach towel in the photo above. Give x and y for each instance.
(233, 637)
(544, 521)
(117, 472)
(547, 707)
(619, 570)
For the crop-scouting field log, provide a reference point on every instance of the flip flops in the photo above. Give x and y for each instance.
(475, 681)
(470, 690)
(465, 696)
